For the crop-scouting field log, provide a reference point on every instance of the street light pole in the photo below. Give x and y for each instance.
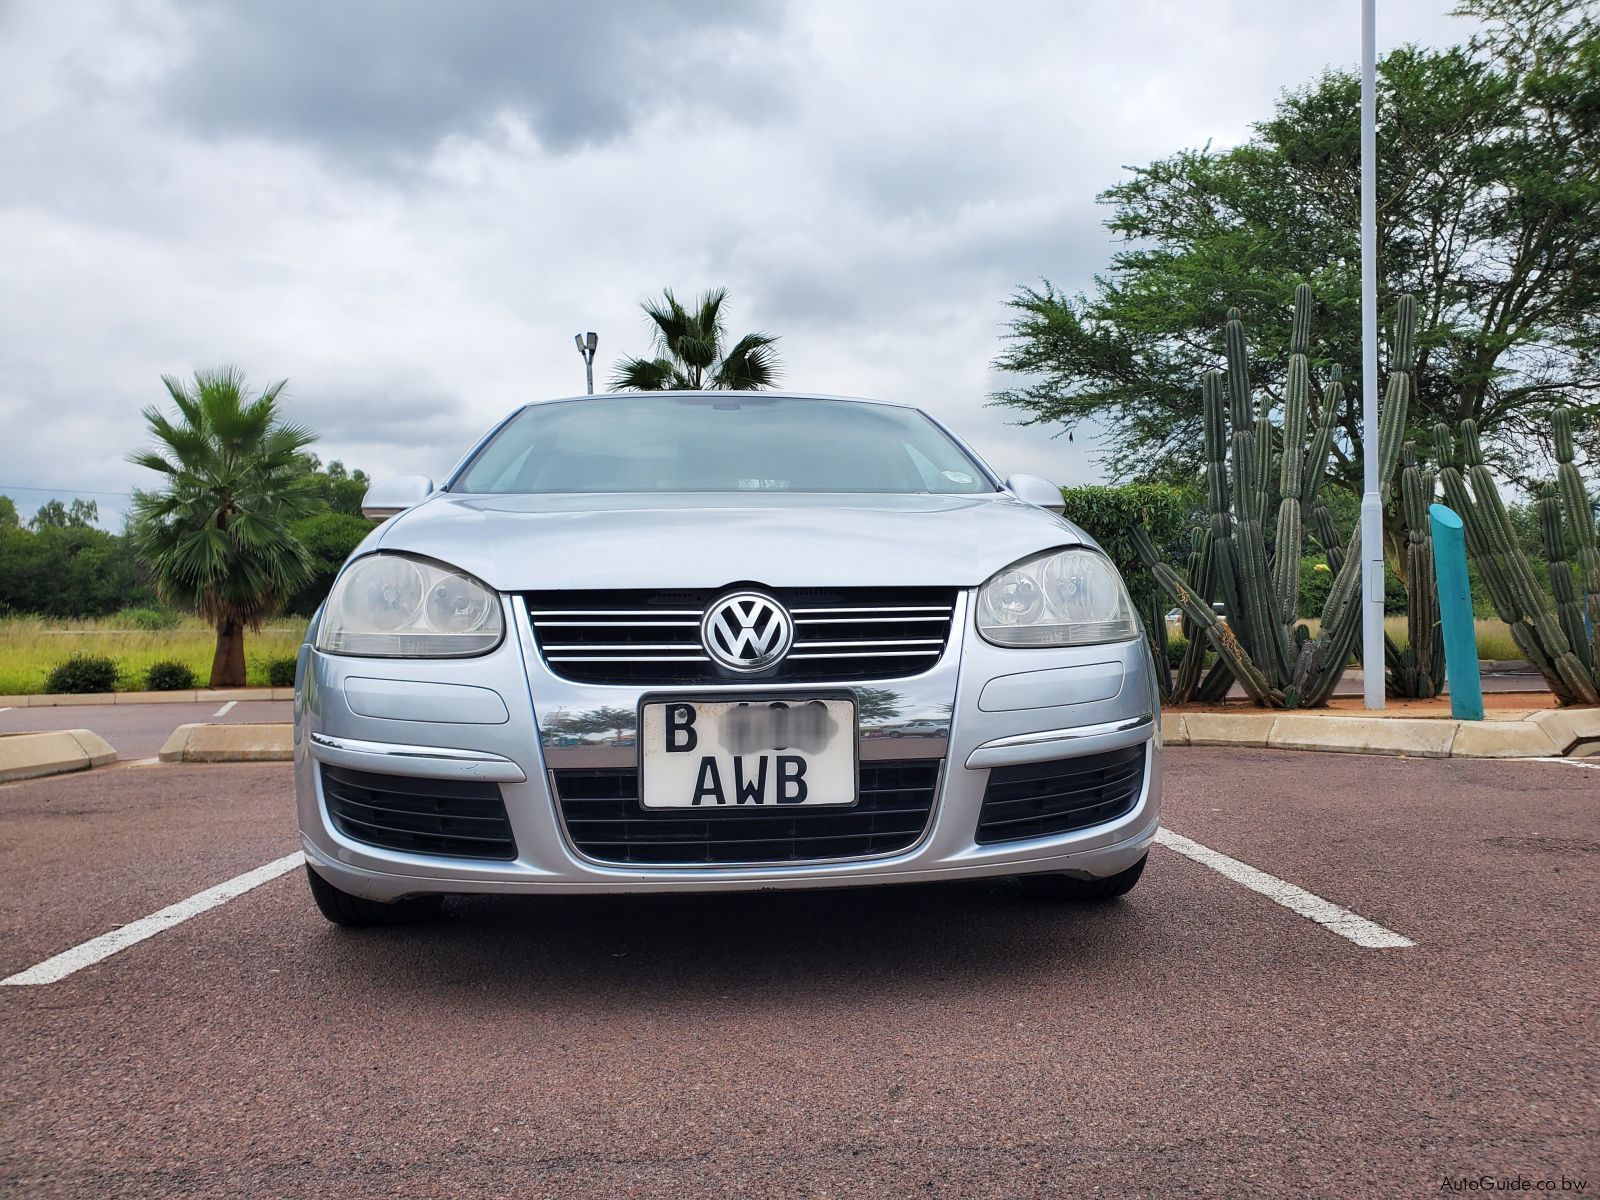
(1372, 667)
(586, 347)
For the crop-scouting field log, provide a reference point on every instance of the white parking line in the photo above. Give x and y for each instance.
(1570, 762)
(53, 970)
(1313, 907)
(5, 710)
(223, 711)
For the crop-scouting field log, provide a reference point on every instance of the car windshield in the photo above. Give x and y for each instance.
(737, 442)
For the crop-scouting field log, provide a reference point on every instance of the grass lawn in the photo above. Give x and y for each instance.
(1494, 638)
(31, 646)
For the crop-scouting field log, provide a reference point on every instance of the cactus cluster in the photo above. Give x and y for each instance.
(1254, 573)
(1552, 633)
(1418, 670)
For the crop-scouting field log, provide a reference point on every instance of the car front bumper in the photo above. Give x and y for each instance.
(479, 720)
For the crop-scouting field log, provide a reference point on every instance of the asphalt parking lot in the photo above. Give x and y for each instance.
(1199, 1037)
(139, 730)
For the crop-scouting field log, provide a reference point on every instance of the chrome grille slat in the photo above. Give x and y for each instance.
(631, 638)
(877, 608)
(866, 620)
(627, 658)
(873, 654)
(617, 612)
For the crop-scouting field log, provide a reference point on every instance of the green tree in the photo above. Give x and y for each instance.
(340, 488)
(52, 514)
(328, 538)
(216, 535)
(8, 513)
(1488, 211)
(68, 571)
(692, 351)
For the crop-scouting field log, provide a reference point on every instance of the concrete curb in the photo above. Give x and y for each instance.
(1553, 732)
(187, 696)
(203, 743)
(54, 752)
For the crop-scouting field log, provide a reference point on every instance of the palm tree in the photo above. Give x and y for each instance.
(690, 351)
(215, 536)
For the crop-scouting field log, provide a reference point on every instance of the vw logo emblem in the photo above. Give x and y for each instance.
(746, 631)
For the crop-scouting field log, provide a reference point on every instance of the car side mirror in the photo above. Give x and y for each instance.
(390, 497)
(1031, 489)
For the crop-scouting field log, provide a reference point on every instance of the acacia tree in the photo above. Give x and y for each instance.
(1488, 212)
(691, 351)
(215, 536)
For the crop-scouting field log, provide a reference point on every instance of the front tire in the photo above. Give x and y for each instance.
(1057, 886)
(355, 912)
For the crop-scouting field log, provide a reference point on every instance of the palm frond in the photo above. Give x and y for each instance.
(749, 366)
(642, 375)
(215, 535)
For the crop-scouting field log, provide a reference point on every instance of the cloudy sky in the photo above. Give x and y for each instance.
(407, 208)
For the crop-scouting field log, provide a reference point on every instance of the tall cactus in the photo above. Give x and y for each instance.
(1541, 632)
(1580, 519)
(1569, 609)
(1418, 670)
(1278, 665)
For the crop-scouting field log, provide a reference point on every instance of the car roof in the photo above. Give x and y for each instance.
(711, 394)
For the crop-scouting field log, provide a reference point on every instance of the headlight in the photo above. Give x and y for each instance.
(1062, 598)
(391, 606)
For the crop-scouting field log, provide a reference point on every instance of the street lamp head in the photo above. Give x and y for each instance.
(593, 340)
(577, 340)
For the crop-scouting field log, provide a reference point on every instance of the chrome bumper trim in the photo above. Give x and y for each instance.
(430, 762)
(1059, 743)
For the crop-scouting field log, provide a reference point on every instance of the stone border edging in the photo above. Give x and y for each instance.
(1551, 733)
(206, 743)
(185, 696)
(52, 752)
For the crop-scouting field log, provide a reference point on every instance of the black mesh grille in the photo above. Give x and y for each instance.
(652, 637)
(605, 821)
(456, 818)
(1041, 799)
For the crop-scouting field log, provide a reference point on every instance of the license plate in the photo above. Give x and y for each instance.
(743, 754)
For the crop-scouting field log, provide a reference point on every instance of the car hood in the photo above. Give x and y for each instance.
(528, 542)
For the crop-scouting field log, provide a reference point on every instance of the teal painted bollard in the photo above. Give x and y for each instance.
(1455, 614)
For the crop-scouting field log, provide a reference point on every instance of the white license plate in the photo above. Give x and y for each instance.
(732, 754)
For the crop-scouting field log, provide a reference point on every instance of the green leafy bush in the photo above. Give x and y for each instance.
(83, 673)
(280, 672)
(329, 538)
(1106, 513)
(1176, 645)
(151, 619)
(1316, 579)
(169, 676)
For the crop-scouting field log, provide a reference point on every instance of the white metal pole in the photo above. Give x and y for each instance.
(1371, 505)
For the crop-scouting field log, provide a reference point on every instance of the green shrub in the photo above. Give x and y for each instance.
(1316, 580)
(83, 673)
(1176, 645)
(329, 538)
(280, 672)
(169, 676)
(151, 619)
(1105, 514)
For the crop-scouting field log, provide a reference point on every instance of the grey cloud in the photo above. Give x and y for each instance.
(370, 80)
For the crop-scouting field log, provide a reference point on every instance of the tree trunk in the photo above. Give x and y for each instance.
(227, 667)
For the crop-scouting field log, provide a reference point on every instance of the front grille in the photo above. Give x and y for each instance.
(651, 637)
(603, 817)
(451, 817)
(1041, 799)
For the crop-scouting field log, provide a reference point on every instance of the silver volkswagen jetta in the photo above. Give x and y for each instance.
(715, 641)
